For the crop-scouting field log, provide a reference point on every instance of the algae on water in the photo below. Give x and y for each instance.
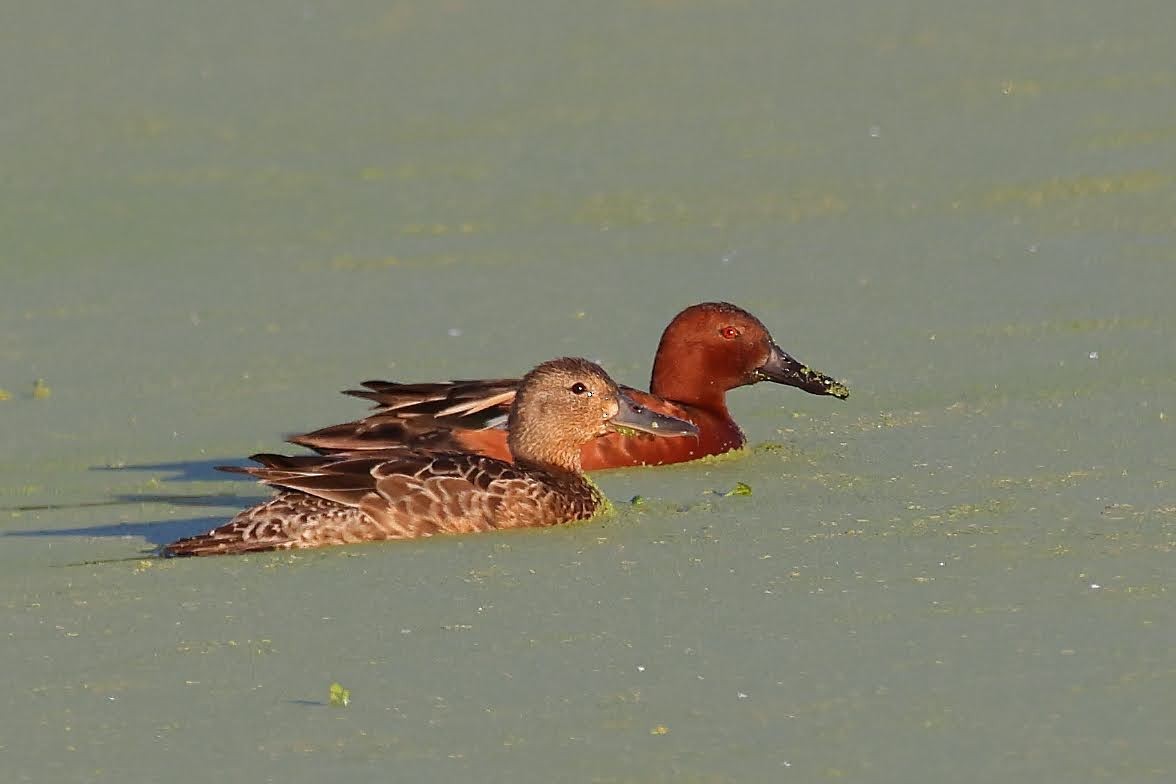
(340, 697)
(740, 488)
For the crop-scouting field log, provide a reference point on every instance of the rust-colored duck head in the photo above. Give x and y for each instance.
(564, 403)
(712, 347)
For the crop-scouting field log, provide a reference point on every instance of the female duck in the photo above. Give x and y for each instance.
(402, 493)
(707, 350)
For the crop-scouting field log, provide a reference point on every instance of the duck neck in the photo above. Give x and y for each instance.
(686, 380)
(545, 454)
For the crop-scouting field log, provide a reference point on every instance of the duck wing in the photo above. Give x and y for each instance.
(439, 399)
(430, 416)
(410, 493)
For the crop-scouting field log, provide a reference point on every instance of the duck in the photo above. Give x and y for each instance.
(707, 350)
(402, 492)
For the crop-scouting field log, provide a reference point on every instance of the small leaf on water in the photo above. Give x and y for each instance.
(340, 697)
(741, 488)
(637, 500)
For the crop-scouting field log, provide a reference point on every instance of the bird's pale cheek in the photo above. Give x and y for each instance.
(610, 410)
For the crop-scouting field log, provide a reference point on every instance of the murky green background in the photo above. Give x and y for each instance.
(216, 215)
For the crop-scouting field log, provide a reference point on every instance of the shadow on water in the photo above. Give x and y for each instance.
(200, 499)
(156, 533)
(185, 470)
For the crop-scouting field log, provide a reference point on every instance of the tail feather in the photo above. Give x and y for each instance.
(255, 530)
(214, 543)
(375, 434)
(290, 520)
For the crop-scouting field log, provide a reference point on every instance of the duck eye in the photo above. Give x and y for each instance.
(578, 388)
(730, 333)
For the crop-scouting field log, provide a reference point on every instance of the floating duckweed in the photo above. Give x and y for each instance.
(41, 390)
(740, 488)
(5, 394)
(340, 697)
(606, 508)
(1058, 190)
(637, 500)
(660, 729)
(723, 457)
(837, 389)
(628, 432)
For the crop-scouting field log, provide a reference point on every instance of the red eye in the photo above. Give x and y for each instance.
(730, 333)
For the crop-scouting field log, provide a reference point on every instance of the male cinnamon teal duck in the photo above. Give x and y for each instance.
(402, 493)
(706, 350)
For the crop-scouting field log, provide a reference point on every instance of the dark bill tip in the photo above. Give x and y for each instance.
(631, 416)
(782, 368)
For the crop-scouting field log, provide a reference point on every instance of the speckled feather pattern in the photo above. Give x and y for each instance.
(409, 494)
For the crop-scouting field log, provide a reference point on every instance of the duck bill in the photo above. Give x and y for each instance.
(631, 416)
(783, 368)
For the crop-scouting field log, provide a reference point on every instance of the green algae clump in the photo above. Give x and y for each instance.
(340, 697)
(740, 488)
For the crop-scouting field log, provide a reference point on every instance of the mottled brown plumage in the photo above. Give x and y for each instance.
(402, 493)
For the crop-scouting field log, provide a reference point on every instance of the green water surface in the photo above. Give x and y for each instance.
(217, 215)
